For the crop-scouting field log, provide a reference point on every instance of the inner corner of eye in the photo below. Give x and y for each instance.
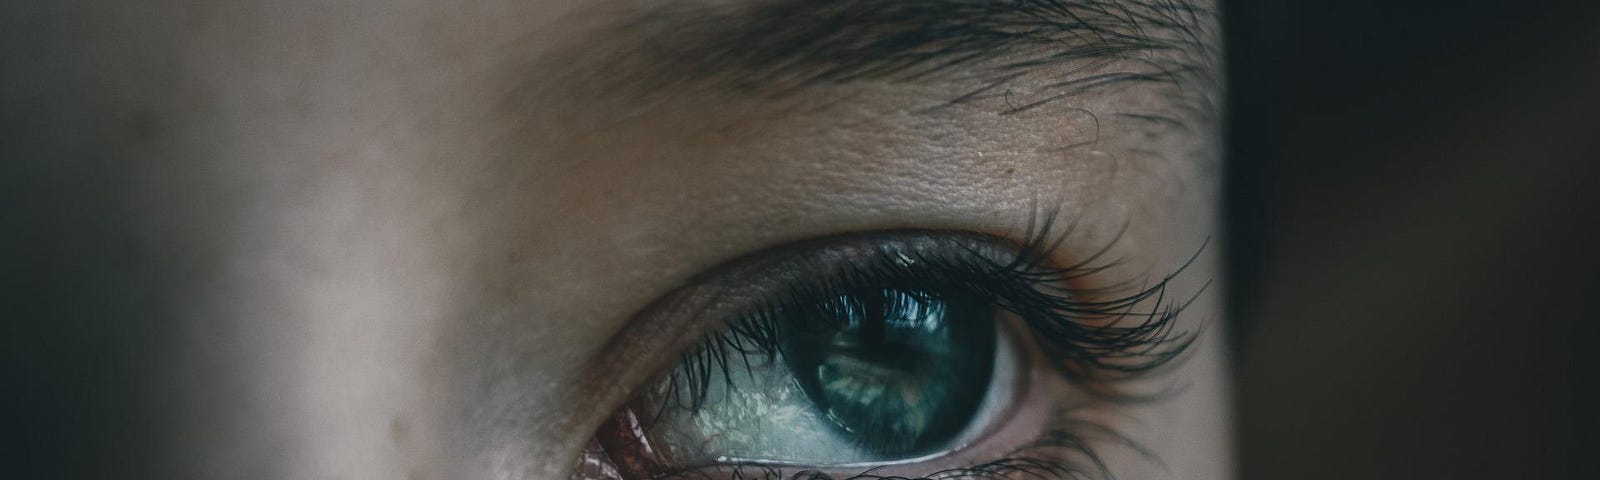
(864, 376)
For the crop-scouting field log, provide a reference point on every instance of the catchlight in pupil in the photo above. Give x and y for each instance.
(899, 372)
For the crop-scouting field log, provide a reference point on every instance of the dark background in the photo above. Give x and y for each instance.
(1412, 208)
(1411, 230)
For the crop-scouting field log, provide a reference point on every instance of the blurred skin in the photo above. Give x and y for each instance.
(397, 237)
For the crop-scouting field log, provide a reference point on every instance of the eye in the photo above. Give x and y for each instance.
(869, 376)
(896, 372)
(860, 353)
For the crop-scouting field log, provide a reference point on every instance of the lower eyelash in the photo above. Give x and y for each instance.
(1062, 452)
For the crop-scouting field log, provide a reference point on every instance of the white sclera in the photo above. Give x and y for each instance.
(761, 415)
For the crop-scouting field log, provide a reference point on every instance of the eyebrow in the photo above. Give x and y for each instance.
(781, 45)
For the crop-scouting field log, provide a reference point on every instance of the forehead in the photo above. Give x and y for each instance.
(613, 58)
(854, 72)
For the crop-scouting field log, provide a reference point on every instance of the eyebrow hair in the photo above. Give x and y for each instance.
(782, 45)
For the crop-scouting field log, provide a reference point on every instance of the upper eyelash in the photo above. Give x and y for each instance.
(1092, 355)
(1098, 355)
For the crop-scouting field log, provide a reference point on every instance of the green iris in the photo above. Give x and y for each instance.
(900, 372)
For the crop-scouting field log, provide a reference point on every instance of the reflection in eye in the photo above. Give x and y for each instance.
(889, 349)
(870, 376)
(898, 372)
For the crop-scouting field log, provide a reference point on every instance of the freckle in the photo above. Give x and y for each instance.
(1011, 171)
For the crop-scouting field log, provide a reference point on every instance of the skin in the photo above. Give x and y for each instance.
(406, 239)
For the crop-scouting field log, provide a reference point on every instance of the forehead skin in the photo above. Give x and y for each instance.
(416, 233)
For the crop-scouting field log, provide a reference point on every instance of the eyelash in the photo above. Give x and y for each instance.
(1085, 338)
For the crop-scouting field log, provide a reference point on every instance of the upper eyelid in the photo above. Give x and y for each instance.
(725, 289)
(1105, 354)
(680, 318)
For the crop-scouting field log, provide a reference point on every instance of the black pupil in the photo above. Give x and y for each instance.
(899, 371)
